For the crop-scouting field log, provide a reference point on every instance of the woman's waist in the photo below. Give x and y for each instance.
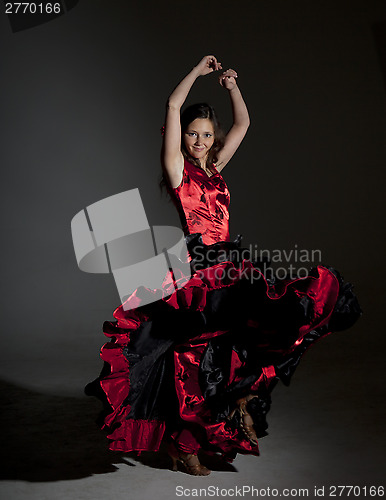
(210, 234)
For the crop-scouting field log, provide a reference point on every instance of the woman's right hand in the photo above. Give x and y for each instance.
(207, 65)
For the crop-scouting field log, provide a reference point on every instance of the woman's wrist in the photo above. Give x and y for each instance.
(234, 90)
(195, 71)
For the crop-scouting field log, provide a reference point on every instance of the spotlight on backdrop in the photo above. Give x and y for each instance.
(25, 15)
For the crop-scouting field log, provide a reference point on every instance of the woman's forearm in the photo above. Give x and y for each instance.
(180, 93)
(239, 108)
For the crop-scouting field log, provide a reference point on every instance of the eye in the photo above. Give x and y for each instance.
(191, 134)
(208, 135)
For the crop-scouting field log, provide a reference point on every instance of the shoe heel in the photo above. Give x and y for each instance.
(172, 452)
(174, 466)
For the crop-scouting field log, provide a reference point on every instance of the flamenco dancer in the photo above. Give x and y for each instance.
(197, 368)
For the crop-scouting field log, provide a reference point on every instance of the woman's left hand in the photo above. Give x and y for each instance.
(228, 79)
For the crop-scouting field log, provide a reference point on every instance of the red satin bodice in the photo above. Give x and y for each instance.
(202, 203)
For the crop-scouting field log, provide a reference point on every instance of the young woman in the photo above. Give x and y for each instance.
(197, 367)
(202, 139)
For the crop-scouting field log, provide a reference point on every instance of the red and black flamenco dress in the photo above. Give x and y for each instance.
(175, 368)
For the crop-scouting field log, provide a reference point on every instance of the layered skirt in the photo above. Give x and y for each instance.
(181, 362)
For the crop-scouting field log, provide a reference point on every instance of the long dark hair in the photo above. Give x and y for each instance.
(191, 113)
(202, 110)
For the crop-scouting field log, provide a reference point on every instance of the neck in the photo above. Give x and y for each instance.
(203, 162)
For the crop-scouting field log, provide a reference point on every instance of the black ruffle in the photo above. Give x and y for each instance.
(232, 309)
(228, 308)
(347, 309)
(204, 256)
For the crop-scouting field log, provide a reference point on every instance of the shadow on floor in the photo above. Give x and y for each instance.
(53, 438)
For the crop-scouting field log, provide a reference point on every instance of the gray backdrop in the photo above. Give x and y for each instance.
(82, 103)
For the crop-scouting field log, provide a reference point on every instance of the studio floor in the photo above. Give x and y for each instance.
(325, 430)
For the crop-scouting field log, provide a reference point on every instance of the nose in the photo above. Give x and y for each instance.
(200, 141)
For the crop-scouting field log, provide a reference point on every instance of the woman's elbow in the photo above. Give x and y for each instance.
(173, 105)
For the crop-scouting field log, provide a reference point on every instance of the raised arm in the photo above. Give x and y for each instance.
(240, 119)
(171, 156)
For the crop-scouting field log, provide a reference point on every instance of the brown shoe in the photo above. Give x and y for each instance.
(190, 462)
(246, 421)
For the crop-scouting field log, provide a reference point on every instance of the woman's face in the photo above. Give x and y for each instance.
(199, 137)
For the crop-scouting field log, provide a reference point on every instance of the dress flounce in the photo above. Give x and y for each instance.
(232, 329)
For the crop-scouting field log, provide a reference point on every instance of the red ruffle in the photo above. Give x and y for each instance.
(139, 435)
(131, 434)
